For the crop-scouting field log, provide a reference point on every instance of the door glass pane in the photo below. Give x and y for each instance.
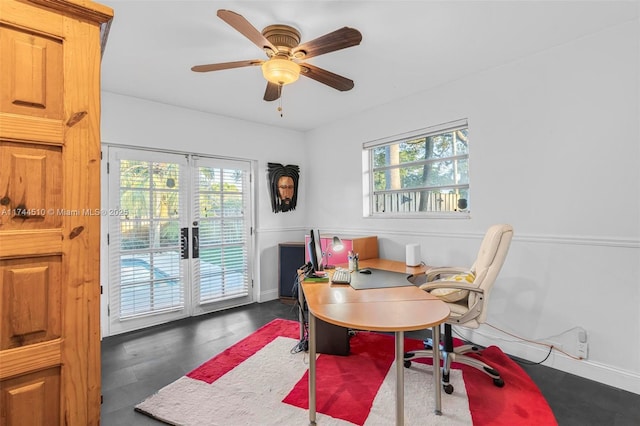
(223, 266)
(149, 282)
(146, 250)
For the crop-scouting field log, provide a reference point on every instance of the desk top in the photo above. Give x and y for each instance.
(392, 265)
(381, 309)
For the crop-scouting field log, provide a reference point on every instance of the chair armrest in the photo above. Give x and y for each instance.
(473, 311)
(458, 285)
(446, 270)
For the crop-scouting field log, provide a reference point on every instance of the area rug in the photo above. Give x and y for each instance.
(261, 381)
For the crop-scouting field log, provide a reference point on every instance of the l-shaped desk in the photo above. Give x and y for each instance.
(394, 309)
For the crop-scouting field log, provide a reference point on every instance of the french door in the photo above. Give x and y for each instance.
(179, 235)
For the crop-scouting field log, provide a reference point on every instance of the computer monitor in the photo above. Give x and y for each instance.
(315, 252)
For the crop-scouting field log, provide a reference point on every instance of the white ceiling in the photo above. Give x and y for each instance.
(407, 47)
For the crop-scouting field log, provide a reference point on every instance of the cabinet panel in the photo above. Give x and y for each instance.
(32, 397)
(32, 183)
(32, 71)
(290, 258)
(366, 247)
(31, 306)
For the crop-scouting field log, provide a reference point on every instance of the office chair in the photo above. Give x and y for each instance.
(466, 291)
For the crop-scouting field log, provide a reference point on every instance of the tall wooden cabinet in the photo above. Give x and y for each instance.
(50, 53)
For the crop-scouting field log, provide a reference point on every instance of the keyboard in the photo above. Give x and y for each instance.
(341, 276)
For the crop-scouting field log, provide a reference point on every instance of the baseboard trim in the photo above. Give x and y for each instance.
(268, 295)
(586, 368)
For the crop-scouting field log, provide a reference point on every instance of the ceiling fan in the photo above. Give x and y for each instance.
(282, 45)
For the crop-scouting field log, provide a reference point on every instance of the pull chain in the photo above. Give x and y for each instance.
(280, 99)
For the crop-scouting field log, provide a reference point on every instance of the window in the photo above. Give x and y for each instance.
(422, 172)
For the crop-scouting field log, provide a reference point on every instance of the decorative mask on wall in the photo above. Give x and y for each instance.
(283, 181)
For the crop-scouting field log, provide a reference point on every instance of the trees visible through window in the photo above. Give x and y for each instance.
(426, 171)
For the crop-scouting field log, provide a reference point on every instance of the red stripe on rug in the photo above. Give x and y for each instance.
(519, 402)
(231, 357)
(348, 385)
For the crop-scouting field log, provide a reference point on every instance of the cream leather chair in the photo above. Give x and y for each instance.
(466, 291)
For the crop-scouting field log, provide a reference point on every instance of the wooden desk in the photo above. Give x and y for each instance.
(396, 309)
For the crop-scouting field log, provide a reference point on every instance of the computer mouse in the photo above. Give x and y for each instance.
(365, 271)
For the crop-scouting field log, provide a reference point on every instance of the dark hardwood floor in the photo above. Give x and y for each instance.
(137, 364)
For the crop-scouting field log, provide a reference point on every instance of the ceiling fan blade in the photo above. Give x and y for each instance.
(246, 29)
(272, 92)
(336, 81)
(339, 39)
(226, 65)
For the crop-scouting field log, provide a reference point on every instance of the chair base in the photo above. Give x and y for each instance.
(457, 355)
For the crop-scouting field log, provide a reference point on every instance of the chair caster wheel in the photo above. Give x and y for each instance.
(407, 364)
(448, 389)
(498, 382)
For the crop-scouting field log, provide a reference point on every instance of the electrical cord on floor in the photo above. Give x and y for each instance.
(521, 361)
(303, 344)
(548, 345)
(295, 286)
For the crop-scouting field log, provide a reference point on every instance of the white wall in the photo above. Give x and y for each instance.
(554, 151)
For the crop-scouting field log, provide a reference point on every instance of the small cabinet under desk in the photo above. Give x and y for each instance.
(365, 247)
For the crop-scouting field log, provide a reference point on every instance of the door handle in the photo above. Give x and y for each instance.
(184, 242)
(195, 232)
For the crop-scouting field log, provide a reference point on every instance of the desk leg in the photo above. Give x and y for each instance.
(399, 378)
(437, 375)
(312, 369)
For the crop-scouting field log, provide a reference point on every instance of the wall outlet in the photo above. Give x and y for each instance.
(582, 350)
(582, 346)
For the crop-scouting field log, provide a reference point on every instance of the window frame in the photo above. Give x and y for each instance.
(369, 191)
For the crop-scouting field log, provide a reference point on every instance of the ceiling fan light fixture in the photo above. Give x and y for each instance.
(280, 71)
(281, 44)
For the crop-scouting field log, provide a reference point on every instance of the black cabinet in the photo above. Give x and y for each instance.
(290, 258)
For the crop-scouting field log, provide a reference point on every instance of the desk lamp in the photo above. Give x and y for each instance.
(336, 245)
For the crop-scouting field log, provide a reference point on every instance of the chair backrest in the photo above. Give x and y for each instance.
(491, 256)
